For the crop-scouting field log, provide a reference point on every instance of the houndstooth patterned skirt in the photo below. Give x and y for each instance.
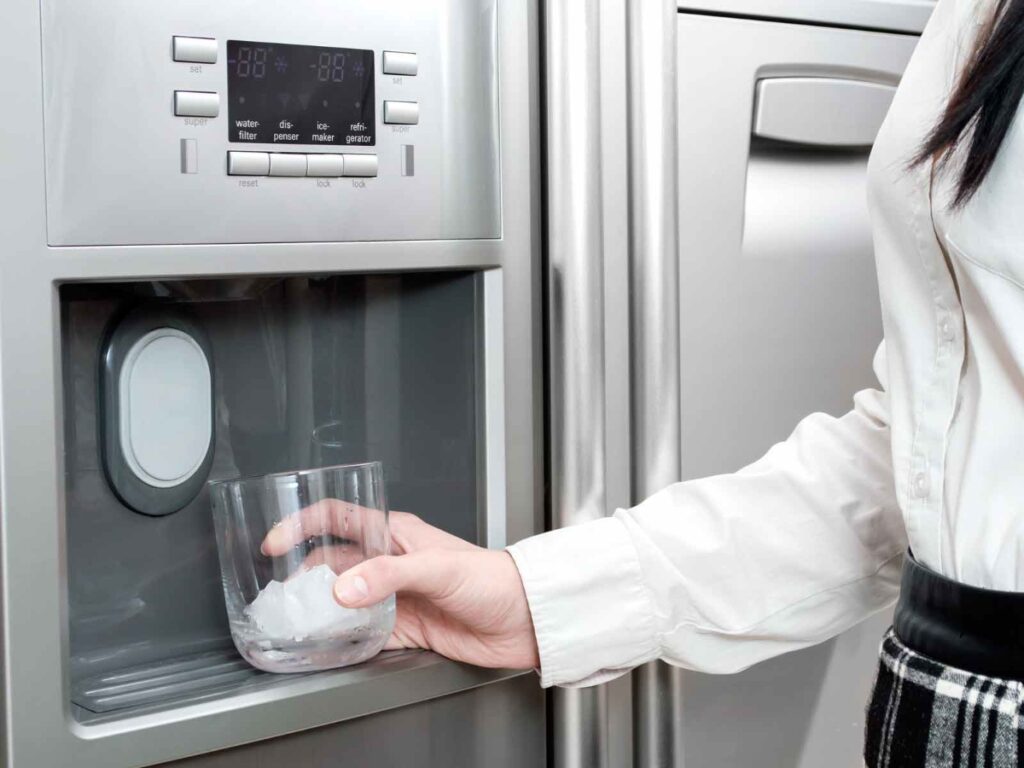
(924, 714)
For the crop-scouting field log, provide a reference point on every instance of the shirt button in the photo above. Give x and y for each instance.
(921, 485)
(946, 329)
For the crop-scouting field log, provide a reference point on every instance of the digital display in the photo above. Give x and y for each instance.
(299, 94)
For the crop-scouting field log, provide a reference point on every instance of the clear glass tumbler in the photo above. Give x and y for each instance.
(283, 539)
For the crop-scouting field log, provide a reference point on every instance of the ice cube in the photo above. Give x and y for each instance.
(303, 607)
(267, 611)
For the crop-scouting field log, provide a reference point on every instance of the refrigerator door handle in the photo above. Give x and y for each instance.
(821, 111)
(575, 295)
(654, 326)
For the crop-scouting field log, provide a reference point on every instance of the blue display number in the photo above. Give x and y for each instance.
(330, 67)
(251, 62)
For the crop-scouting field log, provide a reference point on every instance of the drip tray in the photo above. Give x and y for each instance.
(189, 677)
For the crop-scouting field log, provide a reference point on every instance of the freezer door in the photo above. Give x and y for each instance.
(779, 318)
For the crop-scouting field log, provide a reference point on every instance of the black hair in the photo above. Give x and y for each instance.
(982, 107)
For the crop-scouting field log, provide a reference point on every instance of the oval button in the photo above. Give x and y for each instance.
(166, 407)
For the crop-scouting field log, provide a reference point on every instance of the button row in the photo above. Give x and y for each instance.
(207, 104)
(203, 50)
(294, 164)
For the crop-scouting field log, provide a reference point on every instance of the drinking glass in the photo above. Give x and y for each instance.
(330, 445)
(281, 606)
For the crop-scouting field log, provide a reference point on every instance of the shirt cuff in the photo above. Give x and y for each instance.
(592, 615)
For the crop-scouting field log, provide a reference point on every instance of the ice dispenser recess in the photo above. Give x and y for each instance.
(169, 384)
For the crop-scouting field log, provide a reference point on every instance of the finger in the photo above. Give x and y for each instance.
(325, 517)
(338, 557)
(431, 574)
(395, 642)
(409, 533)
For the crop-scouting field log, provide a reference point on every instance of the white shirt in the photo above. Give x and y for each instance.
(719, 573)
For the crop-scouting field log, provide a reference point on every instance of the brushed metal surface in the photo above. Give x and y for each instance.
(576, 317)
(821, 111)
(654, 323)
(775, 258)
(118, 106)
(658, 716)
(615, 219)
(575, 264)
(37, 729)
(501, 726)
(579, 720)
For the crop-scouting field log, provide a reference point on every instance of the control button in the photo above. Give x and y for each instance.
(196, 104)
(287, 164)
(248, 163)
(401, 112)
(166, 407)
(198, 50)
(408, 160)
(397, 63)
(325, 165)
(360, 165)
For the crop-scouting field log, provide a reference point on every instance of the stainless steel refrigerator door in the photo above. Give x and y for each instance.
(576, 343)
(38, 727)
(779, 318)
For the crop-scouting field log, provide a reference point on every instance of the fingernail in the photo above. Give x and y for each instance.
(351, 590)
(265, 546)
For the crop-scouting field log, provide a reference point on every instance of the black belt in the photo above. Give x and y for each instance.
(977, 630)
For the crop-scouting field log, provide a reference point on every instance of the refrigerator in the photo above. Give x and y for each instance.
(767, 115)
(553, 247)
(229, 228)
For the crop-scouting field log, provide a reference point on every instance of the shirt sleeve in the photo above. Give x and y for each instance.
(720, 573)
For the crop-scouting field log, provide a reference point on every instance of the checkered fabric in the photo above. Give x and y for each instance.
(924, 714)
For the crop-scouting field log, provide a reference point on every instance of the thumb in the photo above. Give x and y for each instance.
(431, 574)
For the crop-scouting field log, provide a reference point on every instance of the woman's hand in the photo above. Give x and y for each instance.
(462, 601)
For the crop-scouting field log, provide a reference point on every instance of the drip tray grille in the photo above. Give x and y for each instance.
(193, 676)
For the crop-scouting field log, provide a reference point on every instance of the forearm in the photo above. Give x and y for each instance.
(720, 573)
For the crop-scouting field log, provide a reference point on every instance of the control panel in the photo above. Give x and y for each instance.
(309, 121)
(300, 94)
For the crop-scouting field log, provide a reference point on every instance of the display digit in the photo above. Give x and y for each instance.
(259, 63)
(323, 72)
(244, 61)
